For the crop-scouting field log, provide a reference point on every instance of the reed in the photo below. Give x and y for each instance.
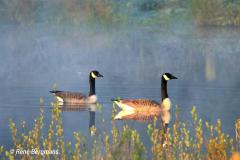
(184, 140)
(237, 131)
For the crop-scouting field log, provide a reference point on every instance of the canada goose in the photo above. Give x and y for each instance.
(144, 108)
(65, 97)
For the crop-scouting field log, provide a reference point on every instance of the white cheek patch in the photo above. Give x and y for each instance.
(93, 75)
(166, 77)
(166, 104)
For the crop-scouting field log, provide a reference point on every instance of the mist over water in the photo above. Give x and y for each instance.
(131, 58)
(49, 53)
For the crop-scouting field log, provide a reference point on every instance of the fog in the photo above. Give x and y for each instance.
(47, 54)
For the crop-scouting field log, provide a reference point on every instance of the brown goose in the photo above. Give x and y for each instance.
(65, 97)
(145, 108)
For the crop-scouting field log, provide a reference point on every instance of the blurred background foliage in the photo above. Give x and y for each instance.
(201, 12)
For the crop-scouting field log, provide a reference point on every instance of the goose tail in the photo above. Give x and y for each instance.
(125, 109)
(54, 92)
(115, 100)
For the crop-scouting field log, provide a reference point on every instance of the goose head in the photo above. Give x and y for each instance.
(95, 74)
(168, 76)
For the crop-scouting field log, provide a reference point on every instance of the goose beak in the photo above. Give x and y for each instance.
(99, 75)
(173, 77)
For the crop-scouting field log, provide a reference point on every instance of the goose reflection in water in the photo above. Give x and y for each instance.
(147, 116)
(144, 116)
(91, 108)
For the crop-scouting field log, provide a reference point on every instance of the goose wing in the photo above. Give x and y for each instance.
(140, 103)
(68, 95)
(137, 109)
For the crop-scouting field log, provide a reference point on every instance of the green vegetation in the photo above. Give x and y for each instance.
(20, 11)
(75, 12)
(216, 12)
(205, 141)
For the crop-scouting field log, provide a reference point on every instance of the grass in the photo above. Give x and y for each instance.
(204, 141)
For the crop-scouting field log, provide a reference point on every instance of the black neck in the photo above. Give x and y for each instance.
(92, 85)
(91, 119)
(164, 88)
